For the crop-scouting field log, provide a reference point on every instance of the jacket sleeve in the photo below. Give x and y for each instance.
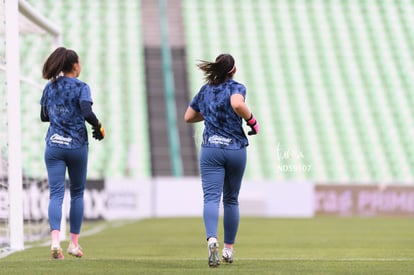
(90, 117)
(43, 114)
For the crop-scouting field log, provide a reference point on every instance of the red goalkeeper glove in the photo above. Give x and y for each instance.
(98, 132)
(254, 125)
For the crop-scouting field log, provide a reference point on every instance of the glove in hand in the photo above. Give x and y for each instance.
(98, 132)
(253, 124)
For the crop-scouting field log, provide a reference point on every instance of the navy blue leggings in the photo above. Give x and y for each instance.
(221, 174)
(76, 161)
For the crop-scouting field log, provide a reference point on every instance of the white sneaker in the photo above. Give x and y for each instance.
(227, 255)
(75, 250)
(56, 251)
(213, 258)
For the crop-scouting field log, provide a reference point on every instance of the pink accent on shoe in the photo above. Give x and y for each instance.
(56, 251)
(75, 250)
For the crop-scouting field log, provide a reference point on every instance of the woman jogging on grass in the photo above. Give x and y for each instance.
(220, 103)
(66, 103)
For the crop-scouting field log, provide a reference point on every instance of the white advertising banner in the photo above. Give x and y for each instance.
(173, 197)
(128, 199)
(277, 199)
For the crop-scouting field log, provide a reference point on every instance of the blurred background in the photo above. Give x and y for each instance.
(330, 82)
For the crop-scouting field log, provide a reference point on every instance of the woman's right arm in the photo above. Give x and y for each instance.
(90, 117)
(239, 106)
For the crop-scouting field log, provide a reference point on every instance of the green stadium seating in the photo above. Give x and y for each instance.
(107, 36)
(328, 79)
(329, 82)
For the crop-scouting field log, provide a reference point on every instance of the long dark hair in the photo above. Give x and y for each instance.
(217, 72)
(59, 61)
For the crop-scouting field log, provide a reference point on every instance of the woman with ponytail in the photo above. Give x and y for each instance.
(66, 103)
(220, 103)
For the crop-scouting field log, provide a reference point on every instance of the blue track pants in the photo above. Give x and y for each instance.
(76, 161)
(221, 175)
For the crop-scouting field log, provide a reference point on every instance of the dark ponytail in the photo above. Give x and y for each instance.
(217, 72)
(60, 61)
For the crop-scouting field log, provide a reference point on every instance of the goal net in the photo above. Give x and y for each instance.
(27, 38)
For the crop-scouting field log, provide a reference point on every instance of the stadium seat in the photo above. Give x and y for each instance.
(107, 36)
(327, 78)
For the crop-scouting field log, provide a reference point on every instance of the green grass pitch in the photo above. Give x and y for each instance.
(322, 245)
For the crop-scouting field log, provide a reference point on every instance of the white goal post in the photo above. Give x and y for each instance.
(19, 18)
